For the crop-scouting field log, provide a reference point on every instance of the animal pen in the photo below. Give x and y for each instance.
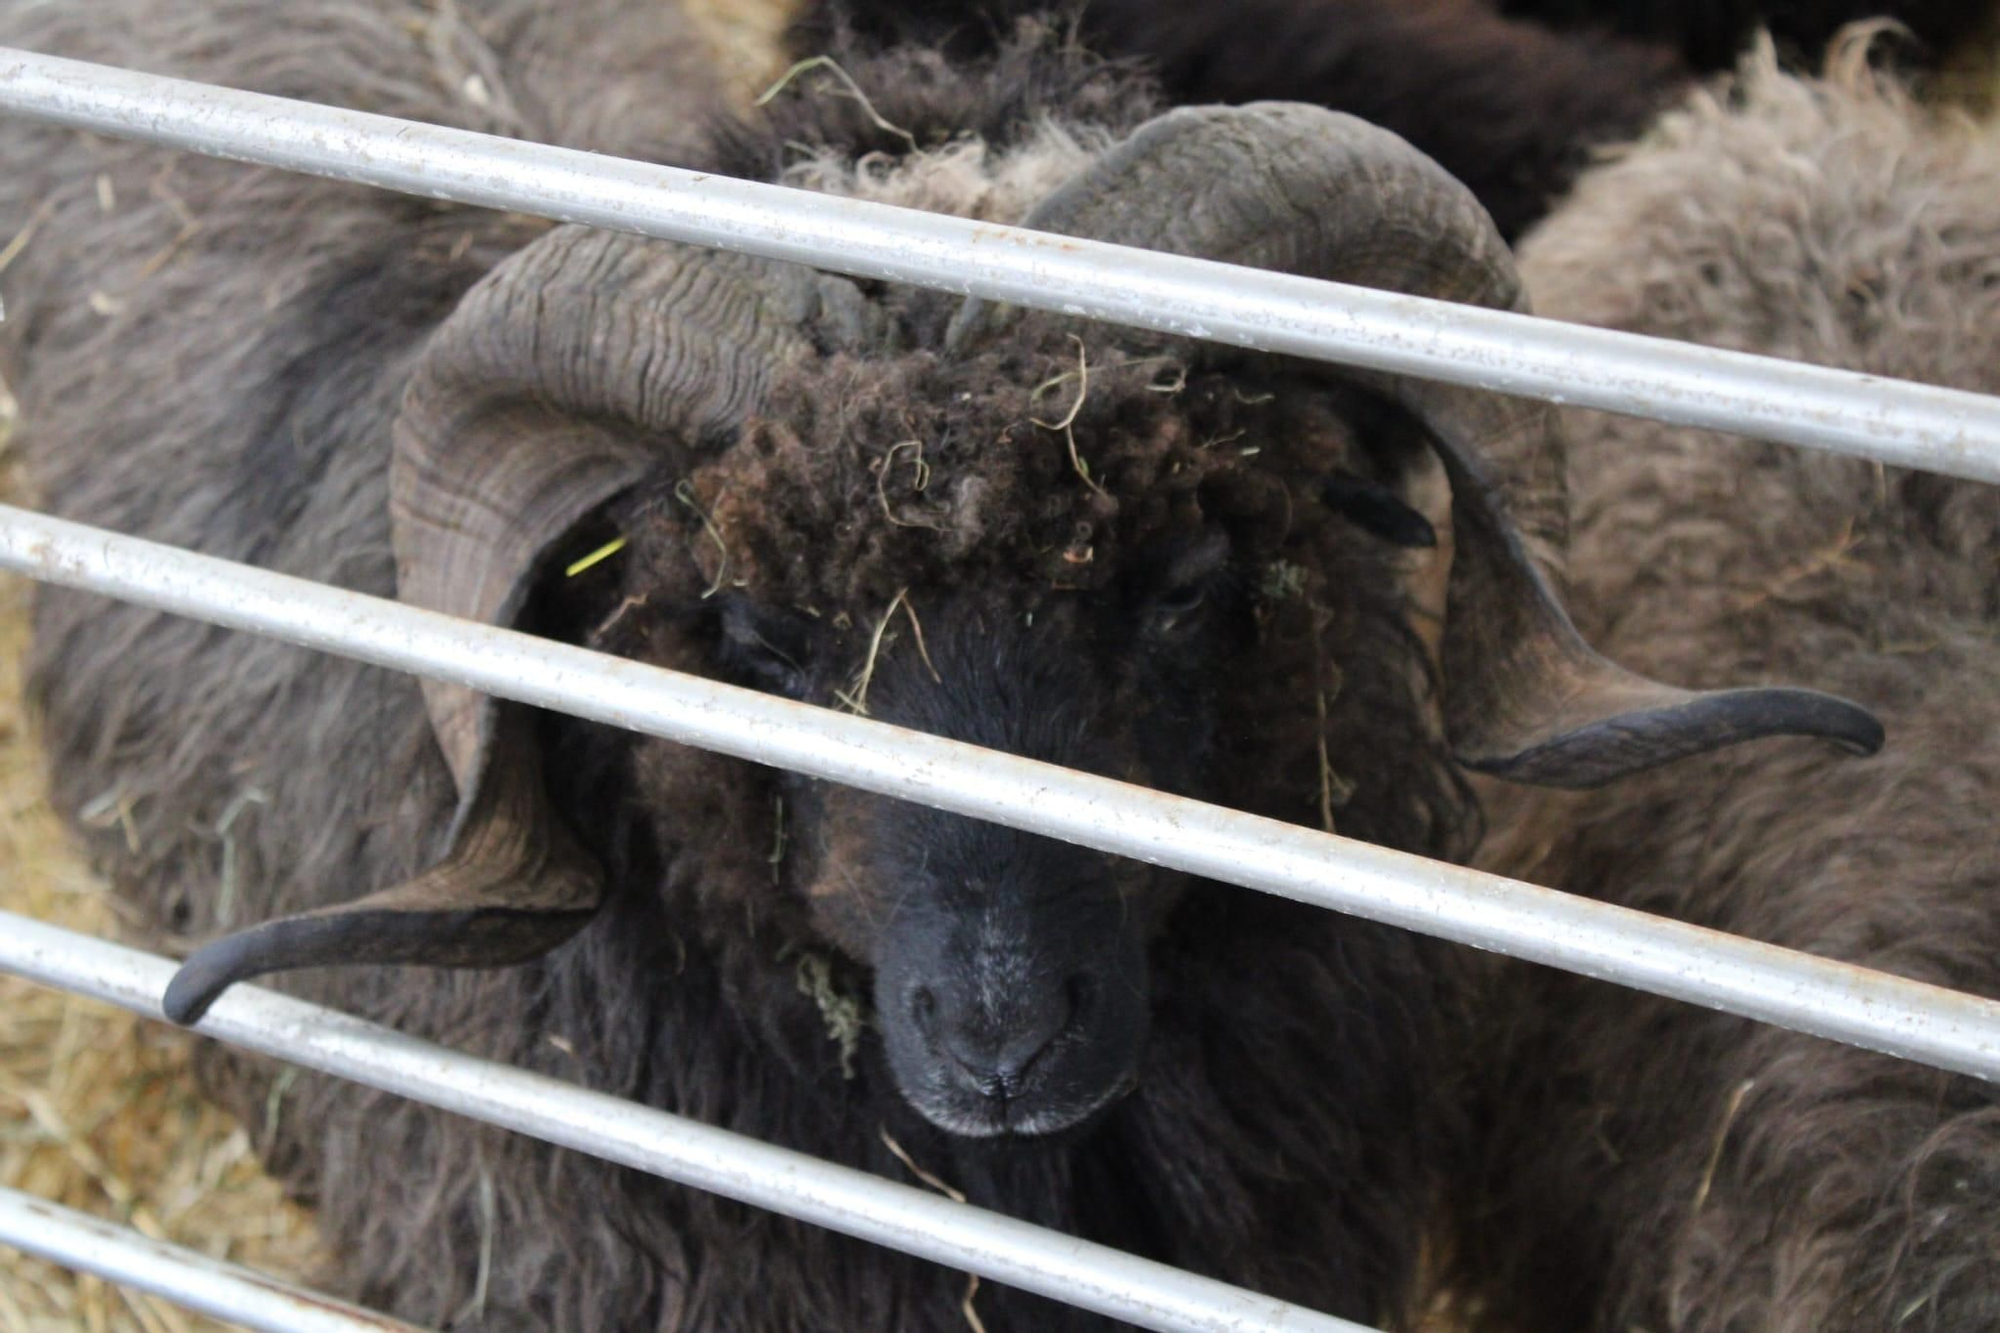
(1896, 423)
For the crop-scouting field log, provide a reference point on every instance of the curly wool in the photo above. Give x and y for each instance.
(1064, 463)
(1703, 1173)
(817, 509)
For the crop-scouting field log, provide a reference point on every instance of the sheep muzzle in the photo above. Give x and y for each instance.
(1010, 970)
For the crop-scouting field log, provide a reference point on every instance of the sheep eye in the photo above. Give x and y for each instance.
(1174, 609)
(764, 648)
(1179, 601)
(1186, 577)
(772, 670)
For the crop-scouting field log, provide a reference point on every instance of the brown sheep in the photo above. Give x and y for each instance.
(1712, 34)
(1510, 96)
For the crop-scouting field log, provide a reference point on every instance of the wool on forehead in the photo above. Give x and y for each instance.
(1053, 459)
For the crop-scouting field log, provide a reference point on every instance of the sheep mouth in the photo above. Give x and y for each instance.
(1057, 1062)
(1034, 1114)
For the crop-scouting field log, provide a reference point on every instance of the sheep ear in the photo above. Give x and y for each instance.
(582, 363)
(1377, 509)
(1317, 193)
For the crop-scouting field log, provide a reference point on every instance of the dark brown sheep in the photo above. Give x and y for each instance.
(1661, 1168)
(1508, 96)
(1509, 107)
(1181, 567)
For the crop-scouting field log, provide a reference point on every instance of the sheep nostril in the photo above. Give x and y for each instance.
(1081, 993)
(996, 1057)
(923, 1009)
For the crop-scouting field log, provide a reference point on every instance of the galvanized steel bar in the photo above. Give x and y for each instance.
(186, 1277)
(1895, 421)
(1795, 990)
(1095, 1277)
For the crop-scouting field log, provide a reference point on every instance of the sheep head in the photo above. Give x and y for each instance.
(1116, 615)
(1010, 972)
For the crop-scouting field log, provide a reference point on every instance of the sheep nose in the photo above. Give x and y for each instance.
(992, 1047)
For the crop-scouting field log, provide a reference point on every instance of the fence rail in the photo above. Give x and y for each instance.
(1910, 425)
(1795, 990)
(1095, 1277)
(186, 1277)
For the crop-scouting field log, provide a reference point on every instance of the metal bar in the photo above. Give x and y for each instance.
(186, 1277)
(1895, 421)
(1795, 990)
(1063, 1268)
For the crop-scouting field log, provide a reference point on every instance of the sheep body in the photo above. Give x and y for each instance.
(1198, 575)
(1703, 1173)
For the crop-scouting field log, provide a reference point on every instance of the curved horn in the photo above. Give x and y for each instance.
(513, 887)
(1323, 195)
(581, 363)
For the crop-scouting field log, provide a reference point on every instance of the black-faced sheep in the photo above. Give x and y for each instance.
(1132, 556)
(1655, 1167)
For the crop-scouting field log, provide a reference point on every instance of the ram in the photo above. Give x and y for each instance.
(1197, 570)
(1657, 1168)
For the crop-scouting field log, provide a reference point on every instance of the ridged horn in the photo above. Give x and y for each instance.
(513, 886)
(583, 362)
(1300, 189)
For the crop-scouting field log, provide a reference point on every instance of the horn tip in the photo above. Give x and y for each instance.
(271, 946)
(1862, 733)
(1620, 744)
(199, 983)
(1788, 711)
